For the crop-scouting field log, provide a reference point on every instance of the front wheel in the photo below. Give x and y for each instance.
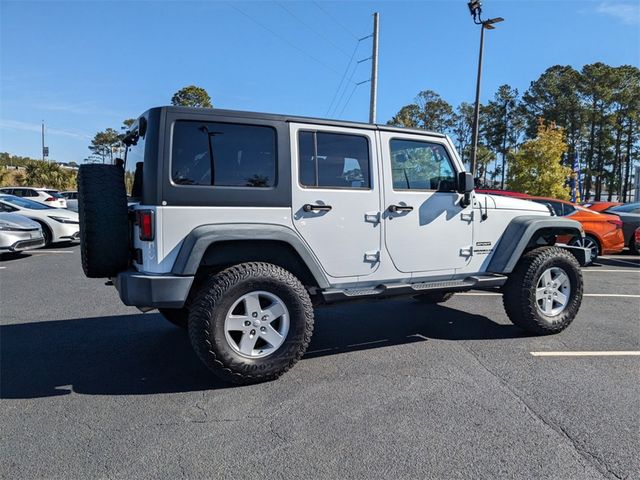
(251, 323)
(544, 292)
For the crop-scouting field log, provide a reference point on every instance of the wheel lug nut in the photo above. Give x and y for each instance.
(253, 332)
(264, 318)
(263, 329)
(247, 323)
(254, 314)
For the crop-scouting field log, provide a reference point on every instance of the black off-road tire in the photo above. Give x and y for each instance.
(104, 224)
(519, 293)
(218, 294)
(432, 298)
(178, 316)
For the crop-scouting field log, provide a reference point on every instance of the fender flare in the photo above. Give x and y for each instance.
(201, 238)
(519, 234)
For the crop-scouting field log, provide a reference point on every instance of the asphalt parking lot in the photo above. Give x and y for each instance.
(93, 389)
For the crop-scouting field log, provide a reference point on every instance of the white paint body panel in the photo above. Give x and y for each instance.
(421, 245)
(341, 237)
(431, 236)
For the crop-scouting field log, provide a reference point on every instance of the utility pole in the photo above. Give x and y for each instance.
(374, 71)
(43, 140)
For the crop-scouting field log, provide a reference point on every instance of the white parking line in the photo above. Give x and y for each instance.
(2, 268)
(485, 294)
(621, 270)
(46, 252)
(626, 262)
(630, 353)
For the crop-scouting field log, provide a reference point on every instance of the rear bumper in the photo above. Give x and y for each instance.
(160, 291)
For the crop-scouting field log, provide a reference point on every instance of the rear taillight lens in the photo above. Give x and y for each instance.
(50, 199)
(617, 223)
(145, 223)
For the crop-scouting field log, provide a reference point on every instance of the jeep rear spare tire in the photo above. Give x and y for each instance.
(251, 322)
(104, 224)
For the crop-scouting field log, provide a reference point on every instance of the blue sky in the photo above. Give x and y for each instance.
(83, 66)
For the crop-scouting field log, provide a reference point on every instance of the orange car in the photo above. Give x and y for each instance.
(600, 206)
(603, 232)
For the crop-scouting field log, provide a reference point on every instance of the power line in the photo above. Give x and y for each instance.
(284, 39)
(340, 24)
(319, 34)
(353, 72)
(355, 87)
(344, 75)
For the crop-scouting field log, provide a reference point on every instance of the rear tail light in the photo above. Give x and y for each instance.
(617, 223)
(50, 199)
(145, 223)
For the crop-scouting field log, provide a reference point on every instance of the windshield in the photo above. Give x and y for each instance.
(628, 208)
(54, 194)
(24, 203)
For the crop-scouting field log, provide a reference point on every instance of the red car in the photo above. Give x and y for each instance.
(504, 193)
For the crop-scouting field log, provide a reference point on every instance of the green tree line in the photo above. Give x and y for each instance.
(596, 109)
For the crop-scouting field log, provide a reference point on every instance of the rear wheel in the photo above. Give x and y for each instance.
(544, 292)
(589, 242)
(251, 323)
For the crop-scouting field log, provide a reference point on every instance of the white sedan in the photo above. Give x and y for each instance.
(47, 196)
(19, 233)
(58, 224)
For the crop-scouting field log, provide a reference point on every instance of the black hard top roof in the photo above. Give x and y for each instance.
(298, 119)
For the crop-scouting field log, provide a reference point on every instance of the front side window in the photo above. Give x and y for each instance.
(223, 154)
(333, 160)
(418, 165)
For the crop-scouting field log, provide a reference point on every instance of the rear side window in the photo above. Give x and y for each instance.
(333, 160)
(223, 154)
(418, 165)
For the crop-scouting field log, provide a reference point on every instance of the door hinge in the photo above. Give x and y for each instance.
(372, 217)
(466, 251)
(372, 256)
(466, 217)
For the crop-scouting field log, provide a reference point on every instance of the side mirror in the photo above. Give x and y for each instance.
(465, 182)
(465, 186)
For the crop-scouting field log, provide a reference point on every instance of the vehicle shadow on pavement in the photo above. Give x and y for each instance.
(143, 354)
(378, 324)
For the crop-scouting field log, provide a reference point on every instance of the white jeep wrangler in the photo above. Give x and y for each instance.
(245, 221)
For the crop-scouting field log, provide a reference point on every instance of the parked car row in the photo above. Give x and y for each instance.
(608, 226)
(26, 224)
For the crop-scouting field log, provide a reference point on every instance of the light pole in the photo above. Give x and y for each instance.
(475, 7)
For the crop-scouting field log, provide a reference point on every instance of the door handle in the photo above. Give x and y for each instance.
(308, 207)
(400, 208)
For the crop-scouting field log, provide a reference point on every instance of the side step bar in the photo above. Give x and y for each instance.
(387, 290)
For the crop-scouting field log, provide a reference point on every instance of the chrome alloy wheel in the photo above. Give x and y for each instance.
(257, 324)
(553, 291)
(587, 242)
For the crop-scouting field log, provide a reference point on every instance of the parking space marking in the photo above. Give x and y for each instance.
(485, 294)
(45, 252)
(622, 270)
(2, 268)
(631, 353)
(626, 262)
